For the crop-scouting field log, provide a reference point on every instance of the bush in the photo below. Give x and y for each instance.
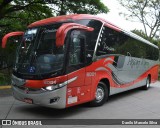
(5, 79)
(2, 79)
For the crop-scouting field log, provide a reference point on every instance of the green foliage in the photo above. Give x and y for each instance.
(80, 6)
(140, 33)
(4, 79)
(27, 11)
(143, 35)
(16, 15)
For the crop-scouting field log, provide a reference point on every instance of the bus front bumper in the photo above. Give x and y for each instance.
(53, 99)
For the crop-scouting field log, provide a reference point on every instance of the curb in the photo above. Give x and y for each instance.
(5, 87)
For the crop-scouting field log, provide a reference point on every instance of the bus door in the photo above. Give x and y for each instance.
(76, 89)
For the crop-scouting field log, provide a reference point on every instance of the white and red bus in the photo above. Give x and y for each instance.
(69, 60)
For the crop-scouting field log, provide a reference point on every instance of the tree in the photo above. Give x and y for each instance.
(23, 12)
(16, 15)
(142, 34)
(63, 7)
(145, 11)
(27, 11)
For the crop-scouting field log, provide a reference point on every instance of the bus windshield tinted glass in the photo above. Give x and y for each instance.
(26, 46)
(38, 53)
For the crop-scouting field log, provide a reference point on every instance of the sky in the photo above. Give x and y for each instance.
(113, 16)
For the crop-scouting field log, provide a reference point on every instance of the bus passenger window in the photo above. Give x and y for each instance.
(109, 42)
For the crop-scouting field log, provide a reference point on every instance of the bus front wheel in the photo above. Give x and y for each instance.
(101, 95)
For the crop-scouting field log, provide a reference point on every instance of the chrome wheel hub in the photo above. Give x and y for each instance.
(99, 94)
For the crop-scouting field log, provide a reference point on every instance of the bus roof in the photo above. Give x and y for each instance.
(87, 16)
(71, 17)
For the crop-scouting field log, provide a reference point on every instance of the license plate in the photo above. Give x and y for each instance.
(27, 100)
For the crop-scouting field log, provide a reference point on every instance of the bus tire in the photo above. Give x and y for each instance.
(147, 85)
(101, 95)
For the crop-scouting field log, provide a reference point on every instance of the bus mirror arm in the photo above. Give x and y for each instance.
(63, 30)
(5, 38)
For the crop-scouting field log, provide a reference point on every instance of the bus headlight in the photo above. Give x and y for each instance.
(50, 88)
(60, 85)
(54, 87)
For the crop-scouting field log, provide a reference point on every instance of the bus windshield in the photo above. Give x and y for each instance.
(38, 53)
(38, 57)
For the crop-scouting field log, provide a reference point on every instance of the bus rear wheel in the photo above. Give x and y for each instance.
(101, 95)
(147, 85)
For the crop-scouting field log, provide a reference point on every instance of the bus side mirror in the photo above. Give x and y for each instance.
(62, 32)
(5, 38)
